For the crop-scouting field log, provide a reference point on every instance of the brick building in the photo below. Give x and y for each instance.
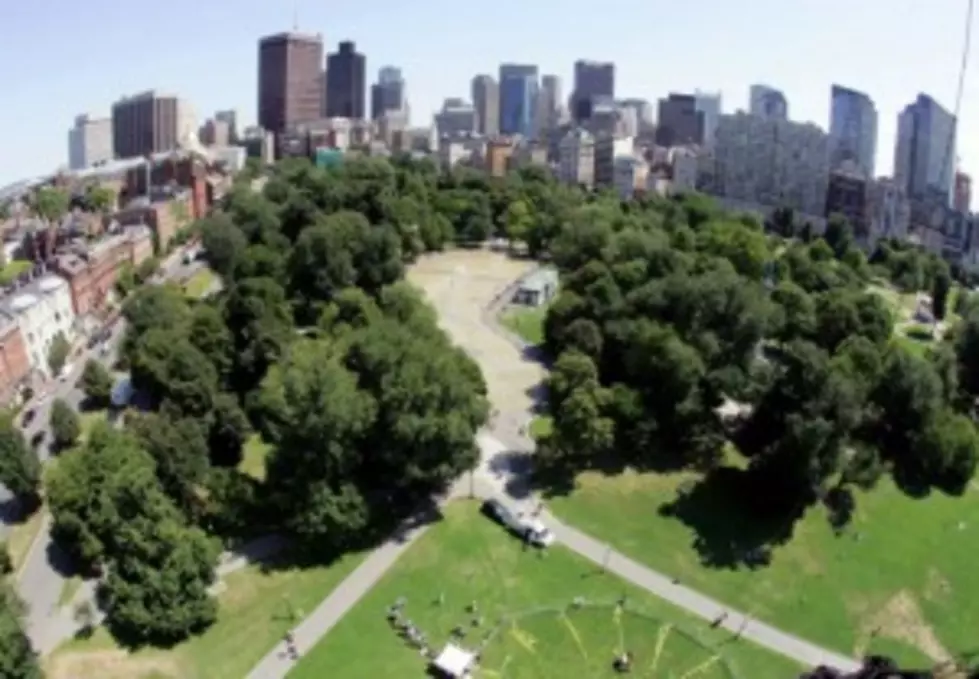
(15, 364)
(165, 218)
(92, 271)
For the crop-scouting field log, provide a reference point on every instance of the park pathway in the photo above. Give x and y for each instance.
(495, 478)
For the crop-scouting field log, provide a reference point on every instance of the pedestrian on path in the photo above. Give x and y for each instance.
(718, 620)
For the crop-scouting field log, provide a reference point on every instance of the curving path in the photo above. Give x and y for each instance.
(467, 296)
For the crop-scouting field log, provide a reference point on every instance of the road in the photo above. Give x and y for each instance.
(498, 475)
(41, 577)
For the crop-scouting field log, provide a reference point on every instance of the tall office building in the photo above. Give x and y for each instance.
(592, 80)
(518, 99)
(290, 87)
(549, 104)
(346, 72)
(768, 103)
(708, 104)
(852, 130)
(388, 93)
(89, 142)
(770, 162)
(486, 101)
(924, 156)
(678, 121)
(456, 119)
(963, 192)
(150, 122)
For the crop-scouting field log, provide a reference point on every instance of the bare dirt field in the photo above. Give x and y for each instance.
(461, 284)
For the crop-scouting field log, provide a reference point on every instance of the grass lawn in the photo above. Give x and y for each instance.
(69, 588)
(901, 580)
(541, 426)
(254, 616)
(22, 535)
(12, 269)
(198, 284)
(523, 599)
(527, 322)
(253, 458)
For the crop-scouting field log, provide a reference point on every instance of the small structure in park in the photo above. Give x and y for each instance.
(454, 662)
(538, 288)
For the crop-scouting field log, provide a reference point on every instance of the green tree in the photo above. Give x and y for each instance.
(101, 199)
(517, 221)
(228, 433)
(223, 242)
(97, 384)
(58, 353)
(65, 424)
(939, 293)
(17, 659)
(147, 269)
(20, 470)
(51, 204)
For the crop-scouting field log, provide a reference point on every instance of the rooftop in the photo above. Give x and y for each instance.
(19, 298)
(540, 279)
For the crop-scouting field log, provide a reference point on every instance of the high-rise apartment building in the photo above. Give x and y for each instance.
(708, 104)
(768, 102)
(290, 86)
(89, 142)
(577, 158)
(770, 162)
(962, 200)
(852, 130)
(150, 122)
(679, 122)
(642, 109)
(486, 101)
(592, 80)
(518, 99)
(346, 72)
(388, 93)
(924, 156)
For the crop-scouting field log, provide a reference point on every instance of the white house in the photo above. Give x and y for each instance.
(43, 309)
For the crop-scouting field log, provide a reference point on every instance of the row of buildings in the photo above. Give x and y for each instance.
(77, 261)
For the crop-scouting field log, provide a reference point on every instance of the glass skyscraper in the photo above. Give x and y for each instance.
(853, 129)
(518, 99)
(924, 159)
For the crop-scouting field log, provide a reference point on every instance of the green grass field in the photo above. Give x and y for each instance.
(253, 457)
(256, 609)
(901, 580)
(12, 269)
(198, 284)
(527, 322)
(523, 600)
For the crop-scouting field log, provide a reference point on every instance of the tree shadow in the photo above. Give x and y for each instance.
(60, 560)
(731, 530)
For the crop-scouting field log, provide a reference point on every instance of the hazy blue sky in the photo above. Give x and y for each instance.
(60, 57)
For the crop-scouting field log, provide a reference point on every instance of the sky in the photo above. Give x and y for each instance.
(59, 58)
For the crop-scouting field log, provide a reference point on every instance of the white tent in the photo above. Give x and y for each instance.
(454, 661)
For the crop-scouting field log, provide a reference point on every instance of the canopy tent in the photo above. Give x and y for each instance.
(454, 661)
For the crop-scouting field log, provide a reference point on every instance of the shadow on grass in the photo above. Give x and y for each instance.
(731, 531)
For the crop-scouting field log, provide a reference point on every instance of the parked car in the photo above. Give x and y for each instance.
(526, 528)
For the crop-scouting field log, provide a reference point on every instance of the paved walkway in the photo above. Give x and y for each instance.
(494, 478)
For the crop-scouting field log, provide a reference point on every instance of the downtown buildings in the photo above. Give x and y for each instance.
(518, 99)
(853, 130)
(290, 80)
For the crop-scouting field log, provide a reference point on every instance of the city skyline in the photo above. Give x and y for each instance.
(219, 73)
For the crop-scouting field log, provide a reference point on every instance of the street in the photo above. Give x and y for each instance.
(40, 578)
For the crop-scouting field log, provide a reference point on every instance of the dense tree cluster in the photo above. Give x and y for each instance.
(680, 328)
(314, 343)
(17, 658)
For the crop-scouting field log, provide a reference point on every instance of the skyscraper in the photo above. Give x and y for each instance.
(768, 103)
(486, 101)
(290, 86)
(924, 156)
(346, 72)
(518, 99)
(852, 129)
(709, 106)
(89, 142)
(592, 80)
(150, 122)
(548, 103)
(388, 93)
(678, 121)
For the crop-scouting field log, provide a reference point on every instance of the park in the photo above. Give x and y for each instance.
(346, 372)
